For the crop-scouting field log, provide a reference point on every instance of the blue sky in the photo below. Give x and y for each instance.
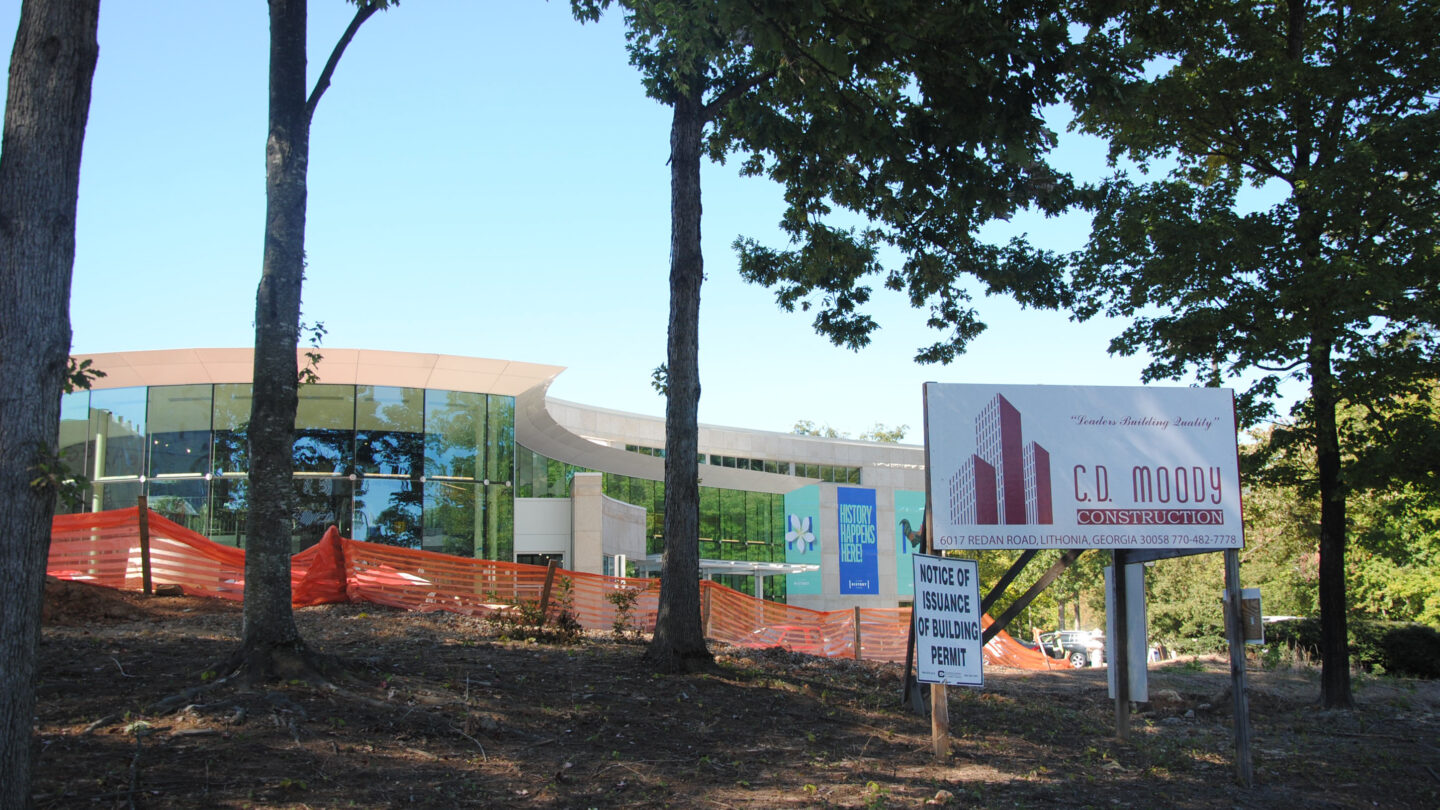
(487, 179)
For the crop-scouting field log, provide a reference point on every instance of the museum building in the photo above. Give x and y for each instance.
(469, 456)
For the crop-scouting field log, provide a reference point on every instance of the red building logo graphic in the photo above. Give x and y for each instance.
(1005, 480)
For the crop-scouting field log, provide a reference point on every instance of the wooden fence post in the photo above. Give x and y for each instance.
(704, 610)
(857, 632)
(940, 721)
(545, 592)
(144, 505)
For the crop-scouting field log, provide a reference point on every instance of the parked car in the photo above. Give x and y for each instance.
(1081, 648)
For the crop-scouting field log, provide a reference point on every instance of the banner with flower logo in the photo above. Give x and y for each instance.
(802, 538)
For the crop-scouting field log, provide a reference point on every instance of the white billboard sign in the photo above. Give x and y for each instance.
(1082, 467)
(948, 630)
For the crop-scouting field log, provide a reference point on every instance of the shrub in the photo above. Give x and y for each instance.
(1299, 635)
(1365, 645)
(624, 600)
(524, 620)
(1388, 648)
(1412, 650)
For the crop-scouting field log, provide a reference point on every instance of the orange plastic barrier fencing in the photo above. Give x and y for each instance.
(104, 548)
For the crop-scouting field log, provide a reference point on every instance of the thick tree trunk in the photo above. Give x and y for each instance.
(679, 642)
(51, 68)
(1334, 634)
(269, 622)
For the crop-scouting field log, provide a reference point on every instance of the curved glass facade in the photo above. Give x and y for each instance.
(409, 467)
(734, 524)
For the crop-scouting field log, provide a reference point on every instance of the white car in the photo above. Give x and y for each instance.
(1081, 648)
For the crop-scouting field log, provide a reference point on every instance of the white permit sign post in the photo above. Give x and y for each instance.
(948, 632)
(947, 622)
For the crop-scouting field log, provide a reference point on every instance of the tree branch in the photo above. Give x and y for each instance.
(363, 12)
(734, 91)
(1280, 369)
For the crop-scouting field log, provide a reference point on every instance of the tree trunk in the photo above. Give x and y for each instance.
(51, 68)
(1334, 635)
(270, 636)
(679, 642)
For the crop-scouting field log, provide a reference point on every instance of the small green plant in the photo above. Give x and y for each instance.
(80, 376)
(562, 612)
(624, 600)
(523, 619)
(52, 474)
(207, 676)
(310, 373)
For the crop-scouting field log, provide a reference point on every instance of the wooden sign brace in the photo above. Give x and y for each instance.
(1058, 568)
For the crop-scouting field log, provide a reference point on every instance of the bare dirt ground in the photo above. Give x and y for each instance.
(442, 711)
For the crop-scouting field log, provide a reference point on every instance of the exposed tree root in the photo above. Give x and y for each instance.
(668, 659)
(252, 667)
(255, 664)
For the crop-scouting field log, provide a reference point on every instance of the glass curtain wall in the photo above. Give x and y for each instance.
(734, 524)
(400, 466)
(115, 447)
(470, 475)
(178, 426)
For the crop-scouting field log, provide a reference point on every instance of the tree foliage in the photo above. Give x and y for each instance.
(1290, 232)
(933, 131)
(1394, 559)
(1394, 505)
(880, 433)
(922, 116)
(885, 435)
(805, 427)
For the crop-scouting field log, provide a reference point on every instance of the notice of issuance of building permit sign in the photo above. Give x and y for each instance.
(1082, 467)
(948, 631)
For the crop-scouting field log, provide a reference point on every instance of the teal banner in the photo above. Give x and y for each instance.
(909, 517)
(802, 539)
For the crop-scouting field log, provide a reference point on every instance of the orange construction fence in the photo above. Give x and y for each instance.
(104, 548)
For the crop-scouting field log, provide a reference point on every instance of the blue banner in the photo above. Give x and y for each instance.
(802, 539)
(859, 543)
(909, 518)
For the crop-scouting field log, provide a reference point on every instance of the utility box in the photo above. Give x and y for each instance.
(1252, 628)
(1250, 623)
